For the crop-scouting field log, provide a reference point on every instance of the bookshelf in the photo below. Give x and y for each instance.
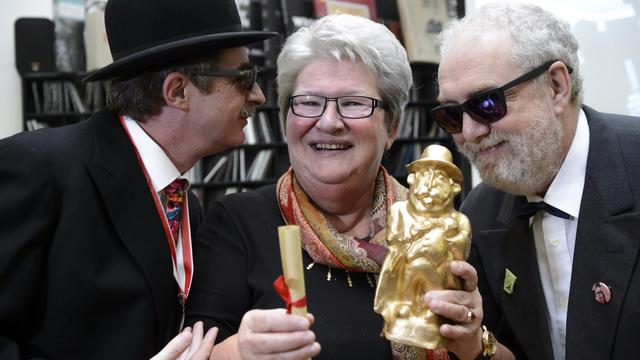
(51, 99)
(416, 130)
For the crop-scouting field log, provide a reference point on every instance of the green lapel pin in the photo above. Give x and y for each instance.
(509, 281)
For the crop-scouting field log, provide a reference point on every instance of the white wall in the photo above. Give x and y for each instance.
(10, 93)
(608, 33)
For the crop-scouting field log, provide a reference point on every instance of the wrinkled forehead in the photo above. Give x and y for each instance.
(473, 64)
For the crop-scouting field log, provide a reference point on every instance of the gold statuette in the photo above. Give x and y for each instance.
(425, 233)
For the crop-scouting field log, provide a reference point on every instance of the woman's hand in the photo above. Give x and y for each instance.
(463, 307)
(274, 334)
(189, 344)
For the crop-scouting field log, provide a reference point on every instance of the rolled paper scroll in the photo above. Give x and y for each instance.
(293, 293)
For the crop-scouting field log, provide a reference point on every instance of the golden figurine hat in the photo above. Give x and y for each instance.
(438, 157)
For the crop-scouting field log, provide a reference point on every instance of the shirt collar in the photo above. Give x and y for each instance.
(565, 192)
(160, 168)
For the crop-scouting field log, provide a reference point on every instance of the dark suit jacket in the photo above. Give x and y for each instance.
(606, 250)
(85, 269)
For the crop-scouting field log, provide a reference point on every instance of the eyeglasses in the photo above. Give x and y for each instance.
(246, 77)
(486, 107)
(350, 107)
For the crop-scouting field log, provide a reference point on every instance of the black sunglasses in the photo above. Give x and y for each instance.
(246, 77)
(485, 107)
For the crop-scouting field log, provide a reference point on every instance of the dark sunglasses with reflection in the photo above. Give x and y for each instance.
(485, 107)
(245, 77)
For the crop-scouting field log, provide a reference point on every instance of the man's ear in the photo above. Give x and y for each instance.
(174, 91)
(561, 85)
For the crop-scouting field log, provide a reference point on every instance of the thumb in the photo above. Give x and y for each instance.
(176, 346)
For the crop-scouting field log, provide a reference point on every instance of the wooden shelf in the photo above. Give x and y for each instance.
(32, 115)
(245, 184)
(58, 75)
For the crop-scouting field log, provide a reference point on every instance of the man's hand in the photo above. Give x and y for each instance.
(464, 308)
(189, 344)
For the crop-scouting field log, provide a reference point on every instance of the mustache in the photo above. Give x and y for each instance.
(472, 149)
(248, 111)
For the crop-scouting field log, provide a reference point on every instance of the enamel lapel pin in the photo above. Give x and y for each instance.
(509, 281)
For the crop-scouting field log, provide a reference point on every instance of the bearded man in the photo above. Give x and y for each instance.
(557, 213)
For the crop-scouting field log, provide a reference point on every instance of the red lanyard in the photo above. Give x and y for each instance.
(185, 232)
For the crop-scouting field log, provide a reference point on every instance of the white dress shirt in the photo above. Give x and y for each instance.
(162, 172)
(555, 237)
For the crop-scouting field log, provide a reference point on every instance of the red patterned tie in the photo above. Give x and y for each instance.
(175, 203)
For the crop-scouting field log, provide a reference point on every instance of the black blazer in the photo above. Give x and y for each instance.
(606, 250)
(85, 269)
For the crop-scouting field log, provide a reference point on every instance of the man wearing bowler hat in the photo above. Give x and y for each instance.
(96, 219)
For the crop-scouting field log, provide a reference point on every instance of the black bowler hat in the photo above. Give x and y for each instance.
(146, 34)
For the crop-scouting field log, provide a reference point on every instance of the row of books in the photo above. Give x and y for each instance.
(33, 124)
(261, 129)
(236, 165)
(62, 96)
(416, 123)
(56, 96)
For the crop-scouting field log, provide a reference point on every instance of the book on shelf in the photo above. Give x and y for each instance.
(194, 175)
(265, 128)
(260, 165)
(226, 172)
(94, 95)
(71, 92)
(53, 97)
(235, 171)
(33, 124)
(281, 126)
(215, 169)
(249, 130)
(35, 95)
(241, 165)
(421, 22)
(364, 8)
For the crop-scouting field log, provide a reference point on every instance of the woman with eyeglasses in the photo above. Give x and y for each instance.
(343, 83)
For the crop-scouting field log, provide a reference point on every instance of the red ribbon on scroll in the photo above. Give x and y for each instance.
(283, 290)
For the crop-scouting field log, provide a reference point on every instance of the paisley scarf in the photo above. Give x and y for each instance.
(325, 245)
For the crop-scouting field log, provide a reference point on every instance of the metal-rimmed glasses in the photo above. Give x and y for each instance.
(485, 107)
(349, 107)
(246, 77)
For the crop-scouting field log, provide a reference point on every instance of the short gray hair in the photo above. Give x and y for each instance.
(537, 36)
(140, 96)
(352, 38)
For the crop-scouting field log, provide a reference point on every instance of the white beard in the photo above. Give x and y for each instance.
(528, 161)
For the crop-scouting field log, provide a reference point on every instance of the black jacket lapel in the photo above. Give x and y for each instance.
(128, 200)
(603, 251)
(512, 247)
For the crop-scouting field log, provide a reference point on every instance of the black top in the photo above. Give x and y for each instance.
(237, 259)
